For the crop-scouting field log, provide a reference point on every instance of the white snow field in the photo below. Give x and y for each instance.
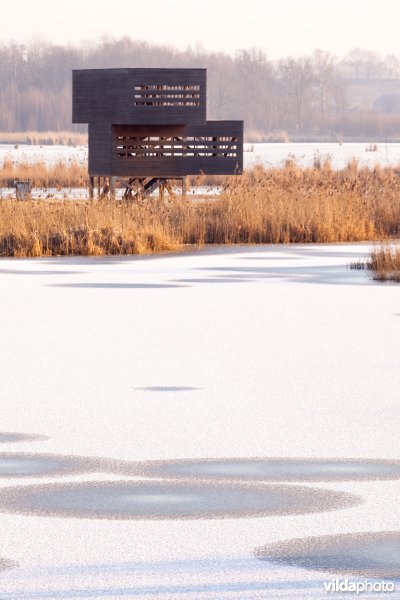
(271, 154)
(217, 353)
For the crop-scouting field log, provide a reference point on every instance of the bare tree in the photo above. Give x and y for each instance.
(362, 64)
(303, 96)
(323, 65)
(297, 76)
(392, 66)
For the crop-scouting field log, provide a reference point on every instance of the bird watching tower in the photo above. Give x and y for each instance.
(148, 126)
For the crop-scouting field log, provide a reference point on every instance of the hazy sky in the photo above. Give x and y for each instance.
(278, 27)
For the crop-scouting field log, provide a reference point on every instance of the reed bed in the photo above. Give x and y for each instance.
(385, 262)
(61, 174)
(39, 228)
(287, 205)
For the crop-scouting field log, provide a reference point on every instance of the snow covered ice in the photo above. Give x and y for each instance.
(218, 353)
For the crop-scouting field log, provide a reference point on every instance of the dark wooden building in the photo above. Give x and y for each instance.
(149, 125)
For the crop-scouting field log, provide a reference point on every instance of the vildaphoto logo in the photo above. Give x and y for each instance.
(358, 587)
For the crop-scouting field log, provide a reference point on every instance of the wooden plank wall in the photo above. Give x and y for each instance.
(209, 156)
(118, 96)
(99, 149)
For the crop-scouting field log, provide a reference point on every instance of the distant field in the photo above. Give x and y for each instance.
(52, 138)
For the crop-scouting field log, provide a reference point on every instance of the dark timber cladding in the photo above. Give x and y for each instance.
(152, 123)
(212, 148)
(142, 96)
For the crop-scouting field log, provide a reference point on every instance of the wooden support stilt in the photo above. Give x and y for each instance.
(161, 191)
(184, 187)
(168, 187)
(98, 186)
(91, 187)
(106, 187)
(112, 187)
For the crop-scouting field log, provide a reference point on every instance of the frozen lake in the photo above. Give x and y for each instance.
(269, 154)
(204, 362)
(49, 154)
(274, 155)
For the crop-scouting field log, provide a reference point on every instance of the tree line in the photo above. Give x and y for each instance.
(292, 98)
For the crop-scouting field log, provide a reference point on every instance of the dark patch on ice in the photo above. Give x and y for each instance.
(331, 252)
(167, 388)
(372, 554)
(11, 437)
(169, 500)
(42, 465)
(212, 280)
(276, 469)
(317, 274)
(292, 257)
(43, 272)
(116, 286)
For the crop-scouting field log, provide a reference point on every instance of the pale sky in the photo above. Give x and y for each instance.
(278, 27)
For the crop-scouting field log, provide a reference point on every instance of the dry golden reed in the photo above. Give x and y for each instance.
(61, 174)
(287, 205)
(385, 262)
(37, 228)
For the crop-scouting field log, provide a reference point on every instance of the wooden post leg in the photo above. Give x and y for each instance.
(112, 187)
(106, 187)
(98, 187)
(184, 187)
(161, 192)
(91, 187)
